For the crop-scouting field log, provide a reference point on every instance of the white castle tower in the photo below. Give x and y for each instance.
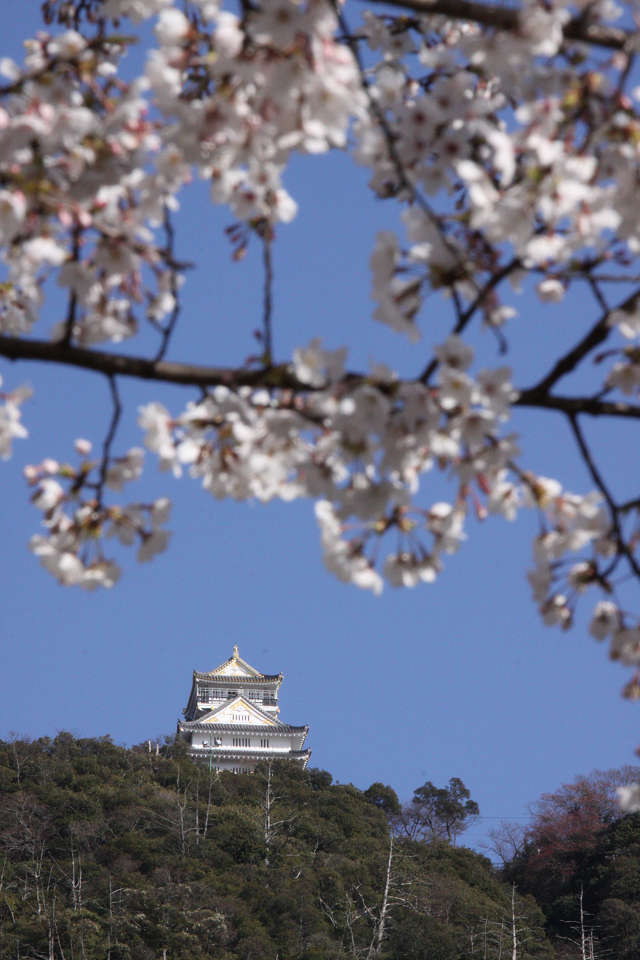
(231, 719)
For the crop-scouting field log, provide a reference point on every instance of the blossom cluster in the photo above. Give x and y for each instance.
(11, 426)
(77, 521)
(513, 154)
(79, 197)
(360, 450)
(629, 797)
(572, 522)
(241, 94)
(537, 155)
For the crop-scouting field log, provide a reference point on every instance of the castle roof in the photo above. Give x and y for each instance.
(242, 727)
(223, 712)
(236, 667)
(214, 677)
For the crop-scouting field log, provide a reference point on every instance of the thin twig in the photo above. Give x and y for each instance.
(170, 260)
(267, 239)
(70, 322)
(108, 440)
(466, 315)
(598, 294)
(597, 478)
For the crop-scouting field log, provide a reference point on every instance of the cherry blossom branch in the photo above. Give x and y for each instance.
(97, 43)
(508, 19)
(279, 376)
(403, 180)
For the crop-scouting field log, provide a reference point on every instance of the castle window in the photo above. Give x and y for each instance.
(264, 743)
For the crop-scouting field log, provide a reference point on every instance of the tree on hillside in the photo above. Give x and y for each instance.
(507, 138)
(566, 829)
(581, 856)
(438, 813)
(384, 797)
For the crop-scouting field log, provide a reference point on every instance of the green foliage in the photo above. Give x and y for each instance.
(122, 853)
(384, 797)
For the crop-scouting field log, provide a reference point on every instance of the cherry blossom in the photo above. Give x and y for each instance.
(508, 146)
(10, 424)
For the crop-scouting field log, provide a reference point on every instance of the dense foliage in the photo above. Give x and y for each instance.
(581, 855)
(127, 855)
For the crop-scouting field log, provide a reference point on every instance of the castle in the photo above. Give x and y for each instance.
(231, 719)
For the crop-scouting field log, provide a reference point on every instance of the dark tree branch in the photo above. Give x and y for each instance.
(570, 360)
(161, 371)
(598, 294)
(592, 406)
(567, 363)
(279, 377)
(508, 19)
(629, 505)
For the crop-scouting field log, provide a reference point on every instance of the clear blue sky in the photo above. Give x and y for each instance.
(455, 679)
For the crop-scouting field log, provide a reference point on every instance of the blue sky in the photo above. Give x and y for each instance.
(454, 679)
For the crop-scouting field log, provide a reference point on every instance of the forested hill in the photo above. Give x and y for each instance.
(116, 854)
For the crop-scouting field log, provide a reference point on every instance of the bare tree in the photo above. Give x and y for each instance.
(507, 840)
(583, 937)
(271, 827)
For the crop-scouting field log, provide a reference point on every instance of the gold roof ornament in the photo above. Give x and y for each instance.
(235, 650)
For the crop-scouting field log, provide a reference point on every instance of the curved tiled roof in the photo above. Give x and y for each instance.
(229, 679)
(227, 753)
(241, 727)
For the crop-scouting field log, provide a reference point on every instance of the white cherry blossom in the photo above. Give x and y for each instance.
(511, 164)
